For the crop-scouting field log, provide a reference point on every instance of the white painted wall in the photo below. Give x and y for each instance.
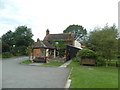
(77, 44)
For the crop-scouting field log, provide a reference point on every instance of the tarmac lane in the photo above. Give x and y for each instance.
(16, 75)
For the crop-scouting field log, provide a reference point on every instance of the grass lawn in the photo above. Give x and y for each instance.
(93, 77)
(27, 62)
(53, 64)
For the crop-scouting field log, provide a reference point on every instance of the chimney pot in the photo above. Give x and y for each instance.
(47, 32)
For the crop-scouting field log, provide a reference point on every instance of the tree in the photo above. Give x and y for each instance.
(7, 41)
(16, 42)
(79, 31)
(8, 38)
(5, 47)
(23, 38)
(104, 42)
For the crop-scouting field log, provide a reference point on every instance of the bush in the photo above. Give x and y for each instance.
(76, 59)
(100, 61)
(86, 53)
(6, 55)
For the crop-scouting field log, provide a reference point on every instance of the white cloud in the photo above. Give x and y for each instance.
(57, 15)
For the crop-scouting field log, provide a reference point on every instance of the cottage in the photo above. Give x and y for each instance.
(66, 38)
(59, 41)
(51, 46)
(54, 45)
(40, 50)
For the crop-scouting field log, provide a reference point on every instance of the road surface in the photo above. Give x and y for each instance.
(16, 75)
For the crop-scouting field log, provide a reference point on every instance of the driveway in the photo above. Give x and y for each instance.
(15, 75)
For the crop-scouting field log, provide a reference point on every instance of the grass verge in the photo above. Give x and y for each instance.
(53, 64)
(93, 77)
(27, 62)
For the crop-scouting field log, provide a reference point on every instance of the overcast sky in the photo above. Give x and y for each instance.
(56, 15)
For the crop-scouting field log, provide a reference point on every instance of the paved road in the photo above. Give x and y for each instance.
(16, 75)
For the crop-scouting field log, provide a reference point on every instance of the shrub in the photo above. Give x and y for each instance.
(76, 59)
(86, 53)
(6, 55)
(100, 61)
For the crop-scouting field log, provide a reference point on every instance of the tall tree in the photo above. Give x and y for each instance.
(79, 31)
(23, 38)
(17, 41)
(103, 41)
(8, 38)
(7, 41)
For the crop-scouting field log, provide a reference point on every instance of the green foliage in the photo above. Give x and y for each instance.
(8, 38)
(53, 64)
(61, 46)
(93, 77)
(6, 55)
(103, 41)
(86, 53)
(5, 47)
(74, 64)
(27, 62)
(76, 59)
(61, 52)
(100, 61)
(78, 30)
(7, 41)
(28, 50)
(21, 38)
(118, 56)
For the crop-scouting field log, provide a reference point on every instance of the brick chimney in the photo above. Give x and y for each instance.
(38, 40)
(47, 32)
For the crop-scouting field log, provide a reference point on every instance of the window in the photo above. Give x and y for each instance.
(56, 42)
